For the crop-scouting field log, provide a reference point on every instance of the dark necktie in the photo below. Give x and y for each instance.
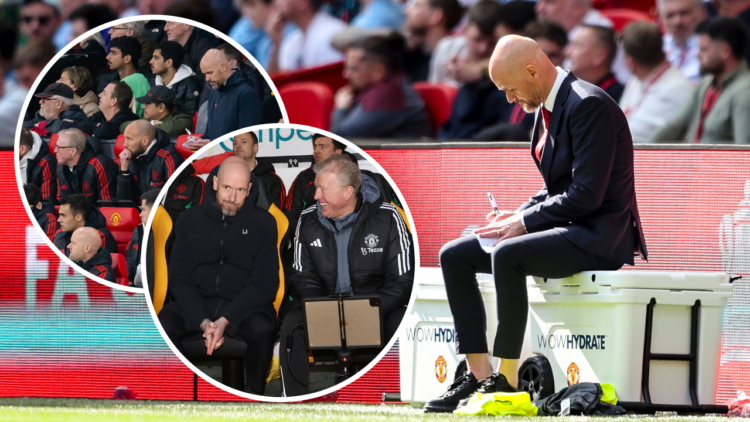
(540, 145)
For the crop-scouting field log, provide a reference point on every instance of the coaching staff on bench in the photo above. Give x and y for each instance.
(224, 272)
(349, 241)
(585, 218)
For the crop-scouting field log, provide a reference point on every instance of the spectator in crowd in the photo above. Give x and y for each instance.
(153, 7)
(481, 111)
(348, 213)
(245, 146)
(137, 29)
(233, 103)
(85, 249)
(158, 109)
(114, 110)
(167, 65)
(591, 54)
(185, 192)
(44, 212)
(209, 242)
(310, 44)
(147, 161)
(37, 164)
(39, 20)
(302, 192)
(83, 168)
(427, 22)
(552, 39)
(89, 16)
(250, 32)
(738, 9)
(133, 253)
(124, 54)
(658, 89)
(76, 212)
(12, 96)
(58, 111)
(379, 100)
(29, 62)
(386, 14)
(718, 109)
(461, 58)
(515, 17)
(79, 79)
(61, 38)
(680, 18)
(195, 43)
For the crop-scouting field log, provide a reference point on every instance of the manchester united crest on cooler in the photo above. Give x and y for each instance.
(574, 374)
(371, 241)
(441, 369)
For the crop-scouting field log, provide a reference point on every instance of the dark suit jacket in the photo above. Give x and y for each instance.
(587, 166)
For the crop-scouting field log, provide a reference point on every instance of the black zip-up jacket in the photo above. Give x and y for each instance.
(102, 128)
(266, 171)
(100, 265)
(97, 221)
(133, 253)
(46, 219)
(75, 116)
(42, 172)
(381, 256)
(185, 192)
(187, 94)
(224, 266)
(94, 175)
(149, 170)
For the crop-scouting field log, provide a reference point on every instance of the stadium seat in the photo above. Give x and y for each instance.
(438, 99)
(121, 221)
(308, 103)
(120, 266)
(233, 351)
(622, 17)
(53, 142)
(186, 153)
(331, 75)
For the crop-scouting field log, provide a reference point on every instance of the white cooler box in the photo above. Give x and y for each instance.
(590, 327)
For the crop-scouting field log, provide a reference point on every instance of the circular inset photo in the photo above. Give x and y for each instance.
(273, 293)
(113, 116)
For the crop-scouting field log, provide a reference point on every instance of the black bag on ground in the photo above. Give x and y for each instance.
(585, 399)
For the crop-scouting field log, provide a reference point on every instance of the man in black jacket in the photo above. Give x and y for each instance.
(167, 65)
(75, 212)
(147, 162)
(82, 167)
(245, 146)
(348, 242)
(85, 249)
(133, 253)
(44, 212)
(114, 110)
(224, 272)
(38, 165)
(301, 194)
(58, 111)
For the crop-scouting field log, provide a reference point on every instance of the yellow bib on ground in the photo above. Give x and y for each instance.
(608, 393)
(499, 404)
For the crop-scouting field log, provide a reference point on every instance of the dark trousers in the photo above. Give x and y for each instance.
(257, 331)
(543, 254)
(295, 367)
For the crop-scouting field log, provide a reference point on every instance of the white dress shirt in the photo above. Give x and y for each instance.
(312, 47)
(649, 103)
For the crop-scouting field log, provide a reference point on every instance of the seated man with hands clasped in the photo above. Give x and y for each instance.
(224, 272)
(352, 242)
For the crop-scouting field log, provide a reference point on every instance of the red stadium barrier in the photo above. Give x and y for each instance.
(330, 74)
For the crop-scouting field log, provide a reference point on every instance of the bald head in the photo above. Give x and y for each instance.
(215, 66)
(232, 184)
(138, 136)
(519, 67)
(84, 244)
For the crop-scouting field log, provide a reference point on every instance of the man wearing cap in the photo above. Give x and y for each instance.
(114, 110)
(58, 111)
(158, 105)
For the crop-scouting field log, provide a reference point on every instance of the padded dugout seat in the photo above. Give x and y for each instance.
(120, 267)
(121, 221)
(308, 103)
(438, 100)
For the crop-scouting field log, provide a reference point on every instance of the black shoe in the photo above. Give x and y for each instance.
(495, 383)
(463, 387)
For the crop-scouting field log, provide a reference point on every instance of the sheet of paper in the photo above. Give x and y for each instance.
(487, 243)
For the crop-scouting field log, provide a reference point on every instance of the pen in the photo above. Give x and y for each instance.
(493, 203)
